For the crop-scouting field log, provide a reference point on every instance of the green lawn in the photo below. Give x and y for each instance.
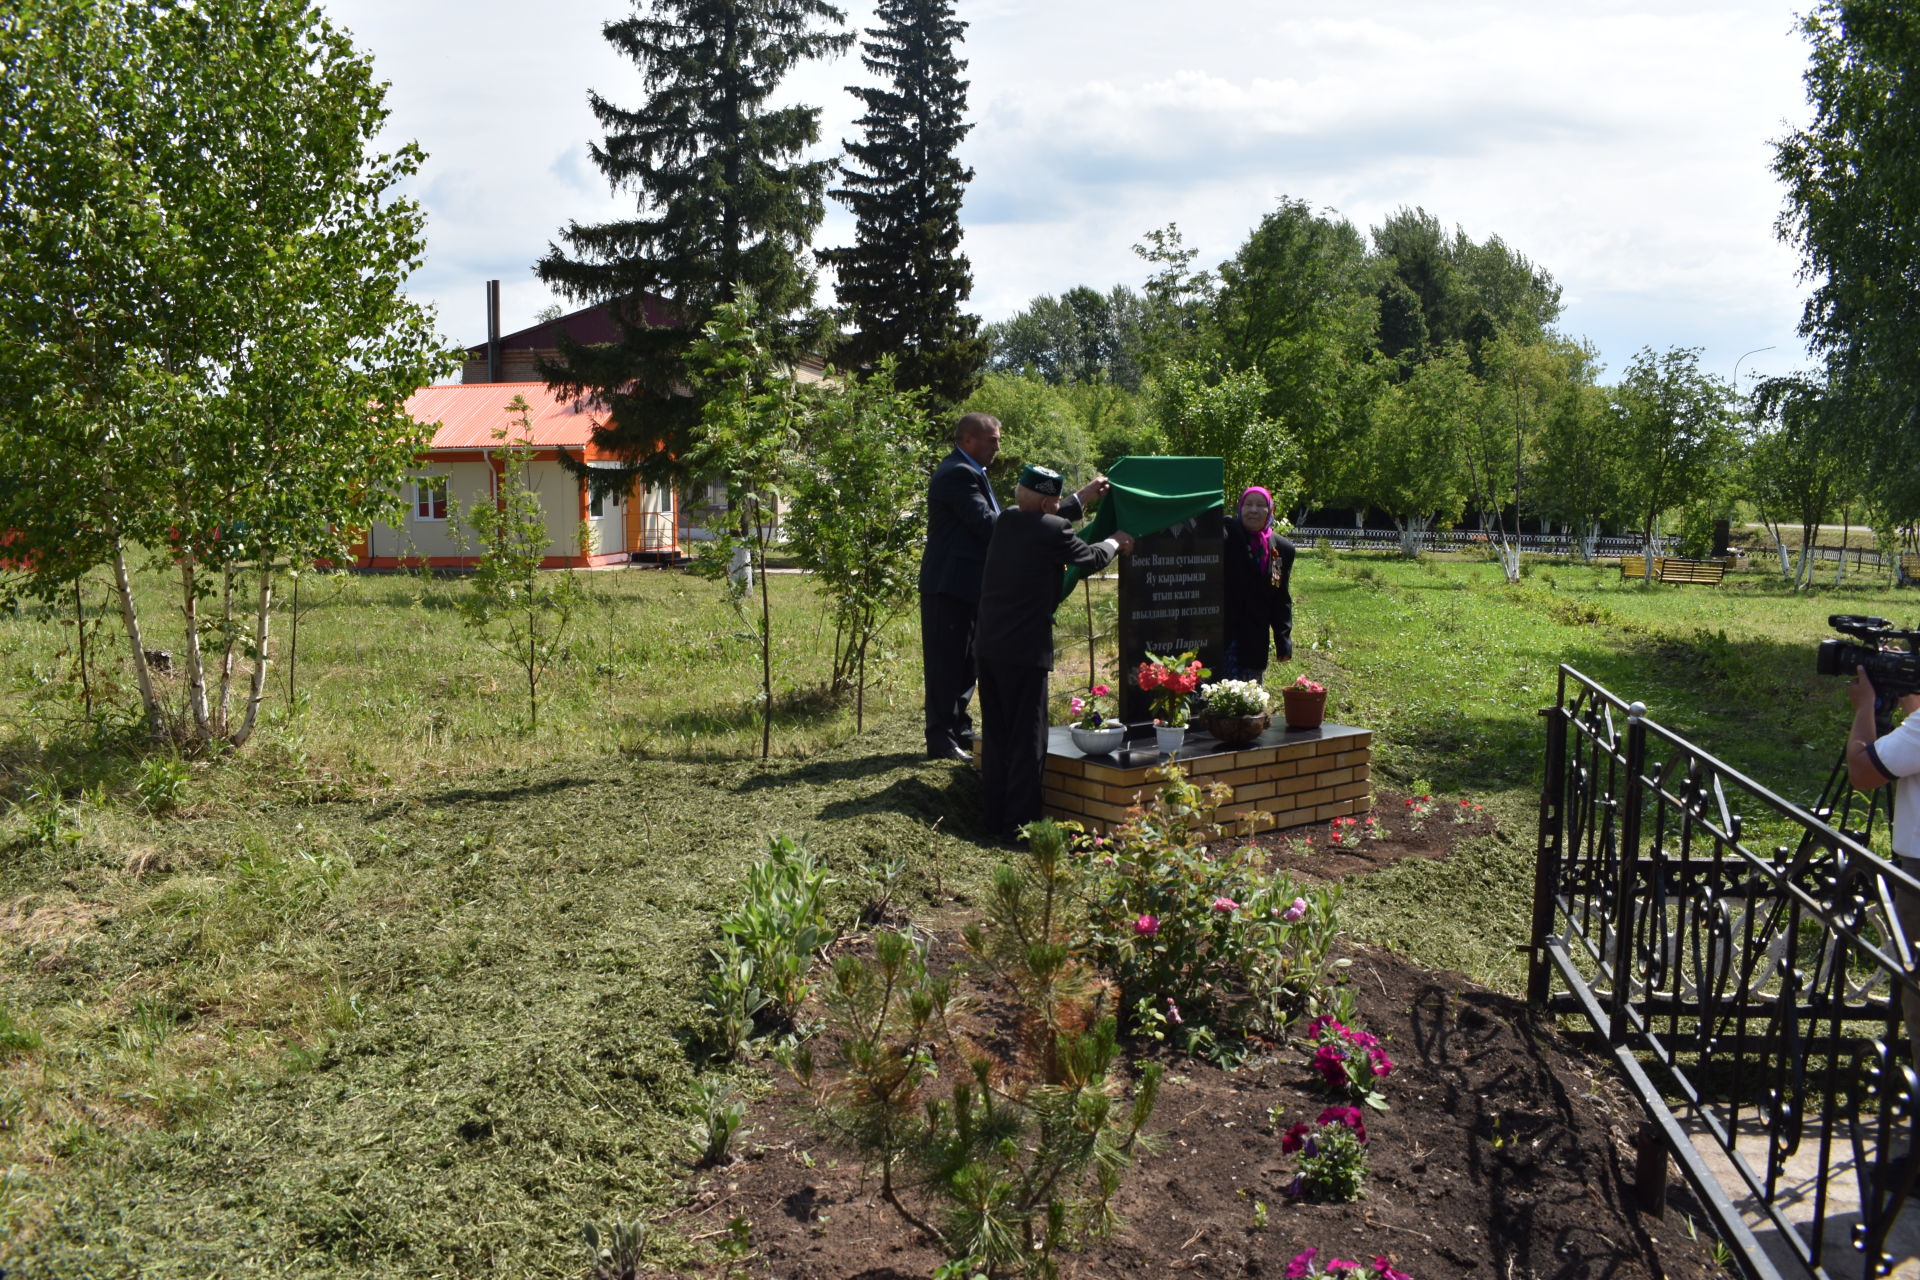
(401, 990)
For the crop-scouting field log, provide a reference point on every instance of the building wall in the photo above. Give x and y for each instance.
(468, 483)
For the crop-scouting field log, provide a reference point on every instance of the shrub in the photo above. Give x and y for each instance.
(1206, 946)
(1017, 1161)
(761, 974)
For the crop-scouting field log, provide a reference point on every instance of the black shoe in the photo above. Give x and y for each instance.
(949, 753)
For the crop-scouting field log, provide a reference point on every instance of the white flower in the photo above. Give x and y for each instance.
(1237, 698)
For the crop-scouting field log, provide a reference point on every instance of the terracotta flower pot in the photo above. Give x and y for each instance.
(1304, 709)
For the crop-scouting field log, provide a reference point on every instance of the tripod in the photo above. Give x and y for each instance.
(1839, 800)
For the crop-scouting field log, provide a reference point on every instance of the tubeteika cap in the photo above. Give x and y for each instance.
(1040, 480)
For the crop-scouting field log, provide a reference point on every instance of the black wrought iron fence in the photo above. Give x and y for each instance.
(1744, 963)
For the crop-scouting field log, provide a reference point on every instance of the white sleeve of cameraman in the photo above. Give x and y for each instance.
(1898, 754)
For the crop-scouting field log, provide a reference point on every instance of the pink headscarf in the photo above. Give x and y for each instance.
(1266, 534)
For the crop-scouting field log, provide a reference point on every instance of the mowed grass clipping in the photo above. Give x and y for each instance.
(402, 990)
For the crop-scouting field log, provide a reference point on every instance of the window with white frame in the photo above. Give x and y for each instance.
(430, 498)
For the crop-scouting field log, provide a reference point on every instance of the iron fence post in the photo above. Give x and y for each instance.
(1629, 855)
(1546, 858)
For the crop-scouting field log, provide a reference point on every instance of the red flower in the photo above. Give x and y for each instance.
(1294, 1138)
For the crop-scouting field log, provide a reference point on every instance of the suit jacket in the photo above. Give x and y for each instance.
(1021, 586)
(960, 515)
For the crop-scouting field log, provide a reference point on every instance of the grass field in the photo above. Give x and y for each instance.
(402, 990)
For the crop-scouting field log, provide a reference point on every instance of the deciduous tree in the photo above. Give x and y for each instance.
(1675, 434)
(1853, 208)
(208, 347)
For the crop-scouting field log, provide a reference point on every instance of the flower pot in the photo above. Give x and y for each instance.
(1098, 742)
(1170, 737)
(1304, 708)
(1237, 731)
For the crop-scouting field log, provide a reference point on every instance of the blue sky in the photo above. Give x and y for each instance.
(1622, 146)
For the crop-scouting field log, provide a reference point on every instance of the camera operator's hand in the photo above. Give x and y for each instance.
(1860, 691)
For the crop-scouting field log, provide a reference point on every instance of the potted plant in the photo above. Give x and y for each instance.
(1237, 710)
(1095, 731)
(1305, 703)
(1171, 681)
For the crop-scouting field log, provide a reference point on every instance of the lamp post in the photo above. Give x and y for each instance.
(1736, 366)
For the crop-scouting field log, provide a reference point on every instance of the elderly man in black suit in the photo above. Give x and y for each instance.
(961, 510)
(1032, 544)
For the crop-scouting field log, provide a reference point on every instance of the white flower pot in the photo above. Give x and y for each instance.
(1170, 737)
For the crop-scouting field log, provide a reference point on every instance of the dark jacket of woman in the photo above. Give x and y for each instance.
(1259, 602)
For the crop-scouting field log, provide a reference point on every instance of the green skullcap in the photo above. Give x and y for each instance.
(1040, 480)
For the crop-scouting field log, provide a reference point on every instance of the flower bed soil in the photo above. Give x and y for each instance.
(1310, 853)
(1506, 1153)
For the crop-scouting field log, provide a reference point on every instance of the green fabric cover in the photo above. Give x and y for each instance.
(1152, 494)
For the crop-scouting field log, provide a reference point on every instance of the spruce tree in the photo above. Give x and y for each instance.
(904, 280)
(724, 203)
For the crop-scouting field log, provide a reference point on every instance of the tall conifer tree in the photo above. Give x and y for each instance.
(904, 279)
(725, 202)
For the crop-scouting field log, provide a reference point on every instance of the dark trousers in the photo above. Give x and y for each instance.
(1013, 757)
(946, 659)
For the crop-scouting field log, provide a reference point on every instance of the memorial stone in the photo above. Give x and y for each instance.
(1171, 600)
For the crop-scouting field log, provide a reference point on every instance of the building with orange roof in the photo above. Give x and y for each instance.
(475, 436)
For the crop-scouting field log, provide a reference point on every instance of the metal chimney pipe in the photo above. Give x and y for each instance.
(493, 331)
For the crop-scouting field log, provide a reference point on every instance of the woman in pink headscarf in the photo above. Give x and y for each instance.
(1259, 599)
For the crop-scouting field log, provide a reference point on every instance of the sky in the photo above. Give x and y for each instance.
(1624, 147)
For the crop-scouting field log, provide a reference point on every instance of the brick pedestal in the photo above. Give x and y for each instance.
(1297, 777)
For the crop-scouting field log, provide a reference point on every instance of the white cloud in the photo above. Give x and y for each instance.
(1621, 144)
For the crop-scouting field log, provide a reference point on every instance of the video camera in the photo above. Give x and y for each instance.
(1893, 672)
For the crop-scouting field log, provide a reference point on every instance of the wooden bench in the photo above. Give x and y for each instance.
(1674, 569)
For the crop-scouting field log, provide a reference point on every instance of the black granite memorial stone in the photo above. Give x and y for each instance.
(1171, 593)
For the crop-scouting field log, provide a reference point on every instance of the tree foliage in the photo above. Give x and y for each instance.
(859, 516)
(1223, 418)
(523, 613)
(1853, 208)
(207, 346)
(725, 204)
(1675, 433)
(1081, 336)
(904, 281)
(1411, 463)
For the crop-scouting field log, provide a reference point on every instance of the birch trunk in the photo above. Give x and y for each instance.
(196, 665)
(130, 617)
(257, 687)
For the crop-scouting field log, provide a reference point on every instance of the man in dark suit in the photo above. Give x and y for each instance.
(961, 510)
(1032, 543)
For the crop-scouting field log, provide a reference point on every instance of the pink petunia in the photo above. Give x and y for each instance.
(1173, 1012)
(1381, 1065)
(1341, 1264)
(1294, 912)
(1101, 691)
(1146, 926)
(1302, 1264)
(1225, 904)
(1384, 1270)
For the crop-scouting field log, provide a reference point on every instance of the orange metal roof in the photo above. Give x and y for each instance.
(469, 414)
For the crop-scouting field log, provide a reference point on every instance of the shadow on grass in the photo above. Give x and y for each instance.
(829, 772)
(794, 708)
(506, 795)
(953, 802)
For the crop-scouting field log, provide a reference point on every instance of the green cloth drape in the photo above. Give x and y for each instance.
(1151, 494)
